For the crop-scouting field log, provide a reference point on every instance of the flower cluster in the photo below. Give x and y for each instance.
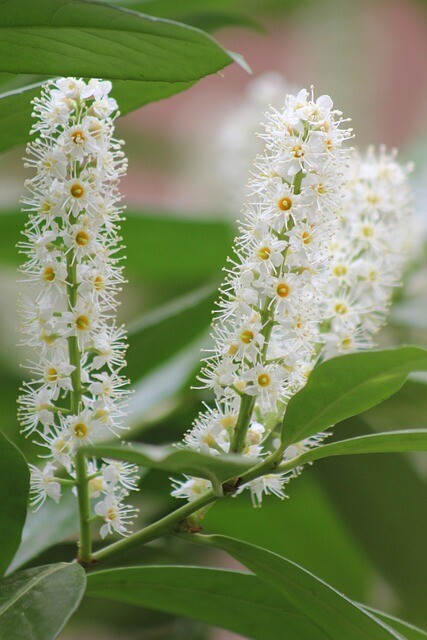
(266, 334)
(369, 250)
(77, 391)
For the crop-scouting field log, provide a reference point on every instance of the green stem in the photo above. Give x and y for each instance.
(85, 542)
(166, 524)
(170, 523)
(242, 424)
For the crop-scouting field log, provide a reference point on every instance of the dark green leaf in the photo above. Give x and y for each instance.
(334, 614)
(235, 601)
(287, 529)
(392, 442)
(14, 482)
(36, 603)
(218, 468)
(386, 513)
(346, 386)
(78, 38)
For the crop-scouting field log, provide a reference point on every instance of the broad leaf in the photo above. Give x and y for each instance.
(36, 536)
(217, 469)
(228, 599)
(287, 529)
(14, 483)
(346, 386)
(79, 38)
(386, 514)
(149, 58)
(35, 604)
(392, 442)
(335, 615)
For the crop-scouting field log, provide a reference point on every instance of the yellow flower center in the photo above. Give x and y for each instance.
(78, 137)
(51, 374)
(368, 232)
(111, 514)
(49, 274)
(82, 323)
(264, 380)
(306, 237)
(297, 151)
(283, 290)
(80, 430)
(340, 270)
(341, 308)
(45, 207)
(82, 238)
(77, 190)
(246, 336)
(285, 203)
(98, 283)
(264, 253)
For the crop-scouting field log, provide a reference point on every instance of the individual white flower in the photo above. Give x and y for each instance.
(43, 485)
(191, 488)
(117, 515)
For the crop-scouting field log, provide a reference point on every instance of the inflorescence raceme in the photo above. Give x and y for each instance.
(320, 249)
(77, 393)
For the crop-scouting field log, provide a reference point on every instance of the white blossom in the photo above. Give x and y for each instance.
(266, 333)
(71, 240)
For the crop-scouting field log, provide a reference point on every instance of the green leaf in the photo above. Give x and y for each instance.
(345, 386)
(78, 38)
(36, 603)
(217, 469)
(287, 529)
(14, 483)
(149, 58)
(407, 630)
(391, 442)
(386, 514)
(335, 615)
(228, 599)
(36, 536)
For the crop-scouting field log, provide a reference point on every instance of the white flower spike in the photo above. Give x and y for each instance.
(71, 241)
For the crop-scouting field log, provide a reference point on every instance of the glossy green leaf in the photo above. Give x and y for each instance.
(149, 58)
(407, 630)
(217, 469)
(391, 442)
(335, 615)
(14, 484)
(228, 599)
(287, 529)
(386, 514)
(36, 536)
(35, 604)
(79, 38)
(346, 386)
